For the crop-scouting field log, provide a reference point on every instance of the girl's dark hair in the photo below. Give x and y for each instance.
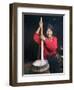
(50, 26)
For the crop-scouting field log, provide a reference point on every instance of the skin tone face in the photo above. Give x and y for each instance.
(49, 33)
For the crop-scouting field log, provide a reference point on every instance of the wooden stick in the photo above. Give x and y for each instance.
(42, 44)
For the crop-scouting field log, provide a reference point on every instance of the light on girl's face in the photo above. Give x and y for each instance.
(49, 33)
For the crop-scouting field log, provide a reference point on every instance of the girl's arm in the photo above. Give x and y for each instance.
(38, 30)
(36, 36)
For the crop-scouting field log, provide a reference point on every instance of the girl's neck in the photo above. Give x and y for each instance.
(50, 37)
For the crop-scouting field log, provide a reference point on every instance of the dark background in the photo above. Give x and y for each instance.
(30, 25)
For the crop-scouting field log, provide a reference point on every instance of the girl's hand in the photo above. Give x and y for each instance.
(42, 37)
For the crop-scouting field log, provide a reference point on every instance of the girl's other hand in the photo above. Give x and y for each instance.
(42, 37)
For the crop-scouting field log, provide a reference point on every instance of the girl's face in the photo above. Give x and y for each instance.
(49, 33)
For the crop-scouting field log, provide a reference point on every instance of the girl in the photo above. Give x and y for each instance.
(50, 46)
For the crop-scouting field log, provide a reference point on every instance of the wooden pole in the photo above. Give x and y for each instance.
(41, 66)
(42, 48)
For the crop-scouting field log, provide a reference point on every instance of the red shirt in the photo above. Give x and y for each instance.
(50, 45)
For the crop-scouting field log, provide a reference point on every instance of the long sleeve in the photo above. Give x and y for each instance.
(37, 38)
(51, 44)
